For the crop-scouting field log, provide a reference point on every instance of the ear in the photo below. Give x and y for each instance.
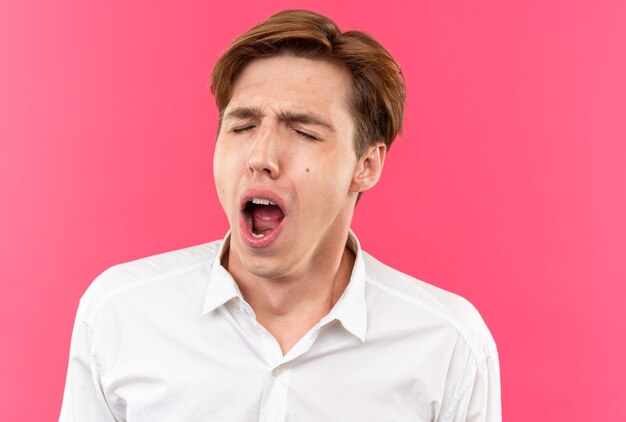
(369, 168)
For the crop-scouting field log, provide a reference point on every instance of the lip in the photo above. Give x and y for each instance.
(247, 237)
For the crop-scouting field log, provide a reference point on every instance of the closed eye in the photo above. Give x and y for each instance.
(242, 129)
(306, 135)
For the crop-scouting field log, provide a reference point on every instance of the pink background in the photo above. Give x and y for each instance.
(508, 186)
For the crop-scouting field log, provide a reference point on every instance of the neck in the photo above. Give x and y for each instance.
(289, 306)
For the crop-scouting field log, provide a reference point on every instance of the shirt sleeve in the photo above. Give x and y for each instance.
(83, 399)
(480, 400)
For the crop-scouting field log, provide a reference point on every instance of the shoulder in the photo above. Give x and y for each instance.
(142, 272)
(422, 298)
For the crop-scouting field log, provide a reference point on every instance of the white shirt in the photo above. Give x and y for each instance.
(170, 338)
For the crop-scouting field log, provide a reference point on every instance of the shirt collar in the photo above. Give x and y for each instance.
(222, 286)
(350, 309)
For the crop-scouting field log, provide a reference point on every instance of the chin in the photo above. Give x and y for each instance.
(266, 270)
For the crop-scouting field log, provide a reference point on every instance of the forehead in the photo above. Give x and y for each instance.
(297, 84)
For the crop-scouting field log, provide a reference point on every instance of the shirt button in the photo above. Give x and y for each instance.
(276, 371)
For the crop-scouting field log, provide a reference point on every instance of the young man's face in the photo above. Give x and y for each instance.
(287, 137)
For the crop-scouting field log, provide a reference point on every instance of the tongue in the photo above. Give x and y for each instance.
(266, 217)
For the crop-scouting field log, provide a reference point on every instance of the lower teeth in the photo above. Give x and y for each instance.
(257, 235)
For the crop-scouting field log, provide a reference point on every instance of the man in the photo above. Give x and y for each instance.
(286, 318)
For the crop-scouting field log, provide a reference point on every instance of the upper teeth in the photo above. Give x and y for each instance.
(262, 201)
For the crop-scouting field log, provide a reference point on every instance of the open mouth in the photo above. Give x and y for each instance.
(262, 216)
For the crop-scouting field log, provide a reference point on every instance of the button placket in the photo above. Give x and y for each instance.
(274, 403)
(276, 371)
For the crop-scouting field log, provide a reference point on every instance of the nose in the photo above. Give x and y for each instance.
(264, 155)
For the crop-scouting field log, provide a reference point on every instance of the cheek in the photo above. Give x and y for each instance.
(329, 180)
(220, 189)
(222, 168)
(226, 159)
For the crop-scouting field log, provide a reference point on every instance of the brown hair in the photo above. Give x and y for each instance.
(378, 92)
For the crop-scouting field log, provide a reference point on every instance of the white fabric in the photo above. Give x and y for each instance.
(169, 338)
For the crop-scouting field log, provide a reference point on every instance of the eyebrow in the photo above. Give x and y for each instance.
(244, 113)
(285, 116)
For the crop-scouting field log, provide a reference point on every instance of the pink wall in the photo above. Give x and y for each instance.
(508, 186)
